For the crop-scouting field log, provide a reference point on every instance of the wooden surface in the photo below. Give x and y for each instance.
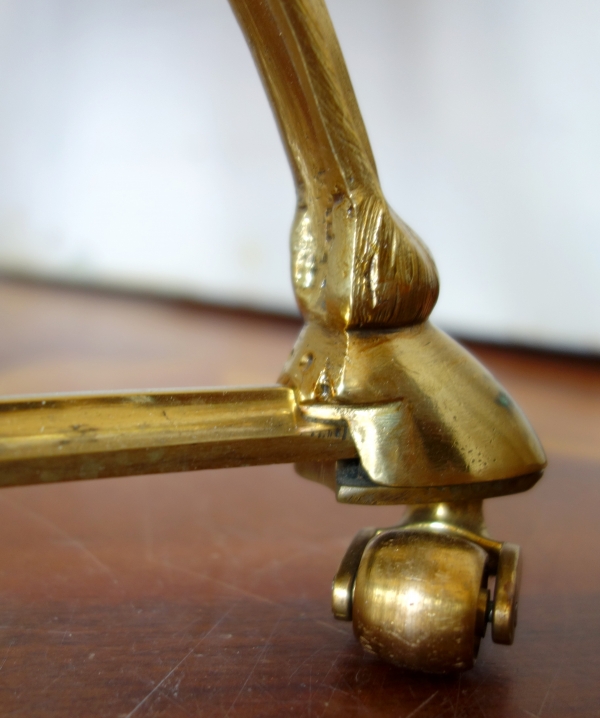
(207, 594)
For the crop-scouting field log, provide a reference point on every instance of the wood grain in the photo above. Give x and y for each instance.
(207, 594)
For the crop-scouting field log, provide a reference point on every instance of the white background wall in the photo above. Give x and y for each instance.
(137, 149)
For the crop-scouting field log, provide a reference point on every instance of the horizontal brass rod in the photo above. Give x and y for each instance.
(45, 439)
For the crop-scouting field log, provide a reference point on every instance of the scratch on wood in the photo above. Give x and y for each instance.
(302, 663)
(279, 562)
(10, 645)
(331, 667)
(70, 539)
(550, 688)
(53, 681)
(351, 695)
(458, 695)
(187, 655)
(476, 698)
(158, 685)
(332, 627)
(425, 702)
(256, 662)
(168, 698)
(333, 687)
(206, 577)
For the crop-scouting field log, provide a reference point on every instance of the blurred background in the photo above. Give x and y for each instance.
(138, 151)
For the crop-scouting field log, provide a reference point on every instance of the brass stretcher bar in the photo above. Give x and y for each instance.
(88, 436)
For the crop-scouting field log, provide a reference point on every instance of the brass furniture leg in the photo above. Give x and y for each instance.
(374, 401)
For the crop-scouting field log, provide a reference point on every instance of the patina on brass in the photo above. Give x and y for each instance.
(374, 402)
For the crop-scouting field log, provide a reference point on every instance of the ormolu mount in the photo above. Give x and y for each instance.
(374, 401)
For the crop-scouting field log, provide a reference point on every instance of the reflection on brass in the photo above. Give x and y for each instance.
(374, 402)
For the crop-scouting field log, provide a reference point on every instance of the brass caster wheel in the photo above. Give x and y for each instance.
(419, 600)
(419, 597)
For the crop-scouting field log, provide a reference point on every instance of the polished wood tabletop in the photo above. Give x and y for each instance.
(208, 593)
